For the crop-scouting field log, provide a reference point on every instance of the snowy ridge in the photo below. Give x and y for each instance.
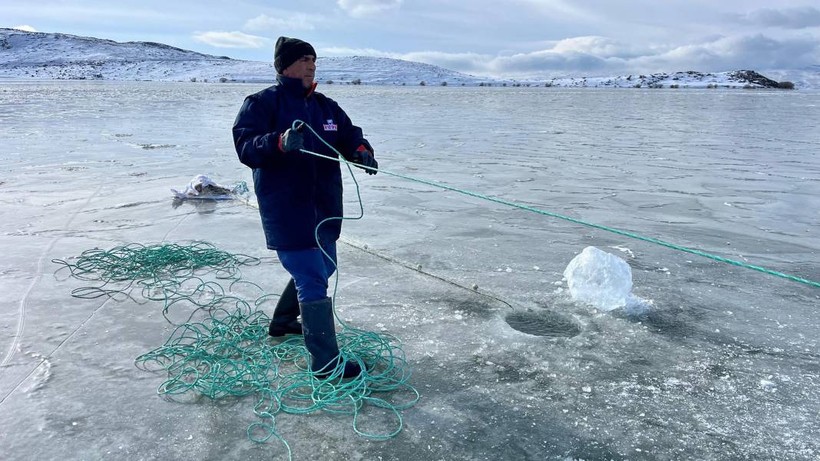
(48, 56)
(37, 55)
(62, 56)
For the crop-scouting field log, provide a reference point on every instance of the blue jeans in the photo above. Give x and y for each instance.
(310, 269)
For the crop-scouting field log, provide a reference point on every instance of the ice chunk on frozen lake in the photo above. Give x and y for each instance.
(600, 279)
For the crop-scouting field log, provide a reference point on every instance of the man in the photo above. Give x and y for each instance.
(300, 195)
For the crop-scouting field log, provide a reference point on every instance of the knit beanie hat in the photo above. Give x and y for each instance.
(289, 50)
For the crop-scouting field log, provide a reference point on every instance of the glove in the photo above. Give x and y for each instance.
(292, 139)
(364, 156)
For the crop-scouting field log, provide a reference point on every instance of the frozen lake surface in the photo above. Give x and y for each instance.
(725, 365)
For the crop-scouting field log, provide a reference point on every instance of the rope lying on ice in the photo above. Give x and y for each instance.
(223, 349)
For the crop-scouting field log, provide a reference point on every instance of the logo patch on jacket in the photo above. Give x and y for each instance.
(330, 126)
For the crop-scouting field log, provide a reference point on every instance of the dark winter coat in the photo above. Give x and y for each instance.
(295, 190)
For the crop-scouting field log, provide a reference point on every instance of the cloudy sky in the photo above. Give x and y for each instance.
(511, 38)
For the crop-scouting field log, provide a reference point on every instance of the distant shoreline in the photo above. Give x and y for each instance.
(19, 80)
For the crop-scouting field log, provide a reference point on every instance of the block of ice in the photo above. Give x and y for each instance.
(600, 279)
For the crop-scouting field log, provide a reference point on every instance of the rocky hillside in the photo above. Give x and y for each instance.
(689, 79)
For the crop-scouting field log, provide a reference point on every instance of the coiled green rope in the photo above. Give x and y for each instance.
(228, 353)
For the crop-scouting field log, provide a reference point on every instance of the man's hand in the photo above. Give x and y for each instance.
(364, 156)
(292, 139)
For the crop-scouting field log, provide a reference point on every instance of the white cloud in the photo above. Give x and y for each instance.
(463, 62)
(596, 56)
(361, 8)
(25, 28)
(787, 18)
(338, 51)
(594, 45)
(265, 23)
(744, 52)
(549, 62)
(231, 40)
(563, 8)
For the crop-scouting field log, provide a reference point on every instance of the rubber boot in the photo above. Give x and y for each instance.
(285, 315)
(320, 340)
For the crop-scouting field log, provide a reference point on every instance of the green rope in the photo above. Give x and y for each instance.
(227, 353)
(360, 215)
(169, 273)
(578, 221)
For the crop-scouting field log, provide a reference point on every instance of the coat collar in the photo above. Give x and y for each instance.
(294, 85)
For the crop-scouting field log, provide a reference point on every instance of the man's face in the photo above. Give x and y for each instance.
(304, 68)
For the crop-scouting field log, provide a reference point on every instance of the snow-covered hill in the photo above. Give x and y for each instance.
(689, 79)
(36, 55)
(61, 56)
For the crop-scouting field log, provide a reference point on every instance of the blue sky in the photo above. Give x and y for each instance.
(496, 38)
